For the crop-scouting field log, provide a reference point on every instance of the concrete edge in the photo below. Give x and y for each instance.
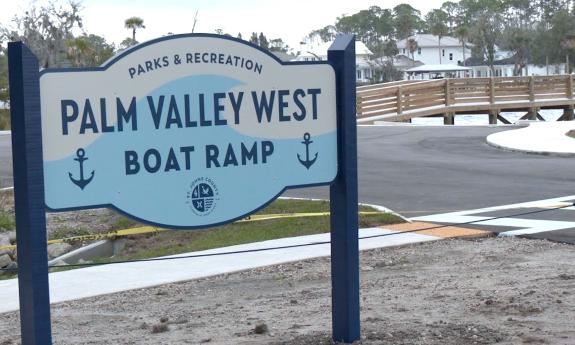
(377, 207)
(422, 239)
(87, 252)
(541, 153)
(6, 189)
(5, 132)
(105, 247)
(405, 124)
(287, 262)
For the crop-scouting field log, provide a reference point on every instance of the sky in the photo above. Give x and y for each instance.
(290, 20)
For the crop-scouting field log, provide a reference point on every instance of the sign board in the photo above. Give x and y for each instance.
(187, 131)
(184, 131)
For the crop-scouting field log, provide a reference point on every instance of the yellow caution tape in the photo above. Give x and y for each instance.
(258, 217)
(109, 235)
(97, 237)
(153, 230)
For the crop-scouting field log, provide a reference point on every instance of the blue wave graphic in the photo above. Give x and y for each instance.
(164, 197)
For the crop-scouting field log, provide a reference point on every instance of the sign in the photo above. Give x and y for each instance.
(187, 131)
(183, 131)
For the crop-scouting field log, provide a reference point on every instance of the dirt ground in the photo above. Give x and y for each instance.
(451, 292)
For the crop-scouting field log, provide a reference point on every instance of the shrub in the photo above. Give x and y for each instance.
(4, 120)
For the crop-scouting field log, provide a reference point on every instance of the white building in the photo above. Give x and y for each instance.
(318, 52)
(437, 72)
(430, 52)
(505, 67)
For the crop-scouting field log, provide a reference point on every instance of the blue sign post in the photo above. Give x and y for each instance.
(343, 199)
(185, 132)
(29, 195)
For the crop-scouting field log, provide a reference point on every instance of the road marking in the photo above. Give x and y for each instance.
(447, 232)
(525, 226)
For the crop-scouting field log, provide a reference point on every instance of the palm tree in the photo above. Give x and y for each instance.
(462, 34)
(436, 21)
(78, 49)
(134, 23)
(439, 35)
(412, 47)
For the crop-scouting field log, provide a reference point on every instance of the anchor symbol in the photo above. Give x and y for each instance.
(82, 183)
(306, 141)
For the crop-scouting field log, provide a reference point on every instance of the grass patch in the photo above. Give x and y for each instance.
(178, 241)
(68, 232)
(181, 241)
(7, 275)
(7, 222)
(4, 120)
(124, 223)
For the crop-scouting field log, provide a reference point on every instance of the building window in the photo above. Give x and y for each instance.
(450, 56)
(442, 52)
(418, 50)
(403, 51)
(358, 74)
(479, 73)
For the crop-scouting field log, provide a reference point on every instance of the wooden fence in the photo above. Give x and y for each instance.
(401, 101)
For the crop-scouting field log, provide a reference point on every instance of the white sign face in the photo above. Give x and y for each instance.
(187, 131)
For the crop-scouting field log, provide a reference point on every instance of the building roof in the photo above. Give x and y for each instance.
(283, 56)
(431, 41)
(500, 59)
(404, 62)
(320, 50)
(437, 68)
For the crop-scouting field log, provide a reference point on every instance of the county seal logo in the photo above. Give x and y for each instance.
(202, 196)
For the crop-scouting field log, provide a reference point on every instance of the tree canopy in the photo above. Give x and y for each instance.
(134, 23)
(56, 36)
(533, 31)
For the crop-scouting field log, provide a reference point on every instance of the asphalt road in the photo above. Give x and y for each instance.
(418, 171)
(426, 170)
(5, 160)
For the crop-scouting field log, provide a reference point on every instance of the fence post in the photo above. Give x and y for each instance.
(493, 116)
(532, 114)
(447, 92)
(448, 116)
(569, 86)
(399, 100)
(568, 112)
(531, 89)
(358, 106)
(492, 90)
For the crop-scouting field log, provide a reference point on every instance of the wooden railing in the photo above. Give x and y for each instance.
(399, 101)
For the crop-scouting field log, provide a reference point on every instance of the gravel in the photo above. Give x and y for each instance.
(451, 292)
